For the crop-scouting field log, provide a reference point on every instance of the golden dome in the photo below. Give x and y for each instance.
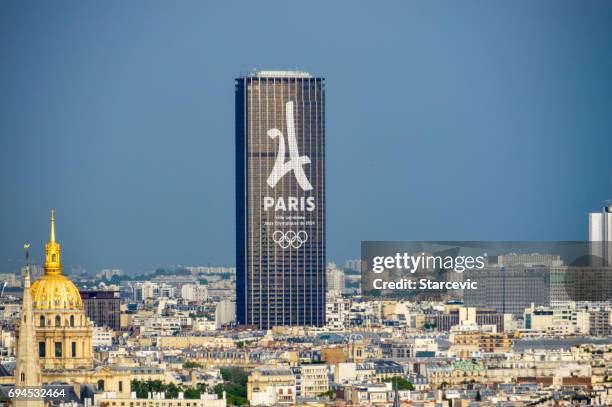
(53, 290)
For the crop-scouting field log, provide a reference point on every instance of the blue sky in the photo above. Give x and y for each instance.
(471, 120)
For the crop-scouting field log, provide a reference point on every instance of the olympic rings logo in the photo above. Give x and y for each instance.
(290, 238)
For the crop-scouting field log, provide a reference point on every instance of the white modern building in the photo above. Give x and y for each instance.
(600, 234)
(335, 279)
(354, 264)
(194, 292)
(108, 274)
(161, 326)
(311, 380)
(225, 312)
(102, 336)
(144, 290)
(557, 321)
(337, 311)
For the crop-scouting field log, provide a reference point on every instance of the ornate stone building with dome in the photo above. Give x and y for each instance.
(62, 335)
(63, 331)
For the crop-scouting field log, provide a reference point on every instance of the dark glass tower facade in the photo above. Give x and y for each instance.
(280, 199)
(103, 307)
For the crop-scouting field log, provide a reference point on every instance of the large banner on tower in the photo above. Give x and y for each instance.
(281, 200)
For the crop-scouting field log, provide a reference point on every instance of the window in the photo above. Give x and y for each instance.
(41, 350)
(53, 257)
(71, 320)
(58, 349)
(121, 387)
(74, 349)
(101, 385)
(42, 320)
(58, 321)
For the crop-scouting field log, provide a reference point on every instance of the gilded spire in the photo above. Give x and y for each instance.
(53, 264)
(27, 369)
(52, 226)
(53, 290)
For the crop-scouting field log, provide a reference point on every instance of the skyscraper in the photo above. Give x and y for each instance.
(510, 289)
(600, 236)
(280, 199)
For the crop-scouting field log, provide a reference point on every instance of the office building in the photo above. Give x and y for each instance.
(194, 292)
(600, 321)
(600, 236)
(310, 380)
(509, 290)
(102, 336)
(481, 316)
(530, 259)
(144, 290)
(280, 199)
(353, 264)
(334, 279)
(103, 307)
(225, 313)
(558, 321)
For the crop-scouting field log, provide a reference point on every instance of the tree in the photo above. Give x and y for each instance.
(235, 386)
(203, 387)
(191, 365)
(330, 394)
(143, 388)
(235, 375)
(172, 391)
(399, 383)
(192, 393)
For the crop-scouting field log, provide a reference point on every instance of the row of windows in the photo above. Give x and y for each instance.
(58, 321)
(149, 403)
(42, 349)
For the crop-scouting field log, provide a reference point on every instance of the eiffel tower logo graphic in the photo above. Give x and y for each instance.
(296, 162)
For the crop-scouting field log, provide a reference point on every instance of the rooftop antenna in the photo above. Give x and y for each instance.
(609, 200)
(26, 247)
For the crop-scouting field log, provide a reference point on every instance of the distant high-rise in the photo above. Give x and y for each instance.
(280, 199)
(334, 279)
(600, 235)
(510, 290)
(103, 307)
